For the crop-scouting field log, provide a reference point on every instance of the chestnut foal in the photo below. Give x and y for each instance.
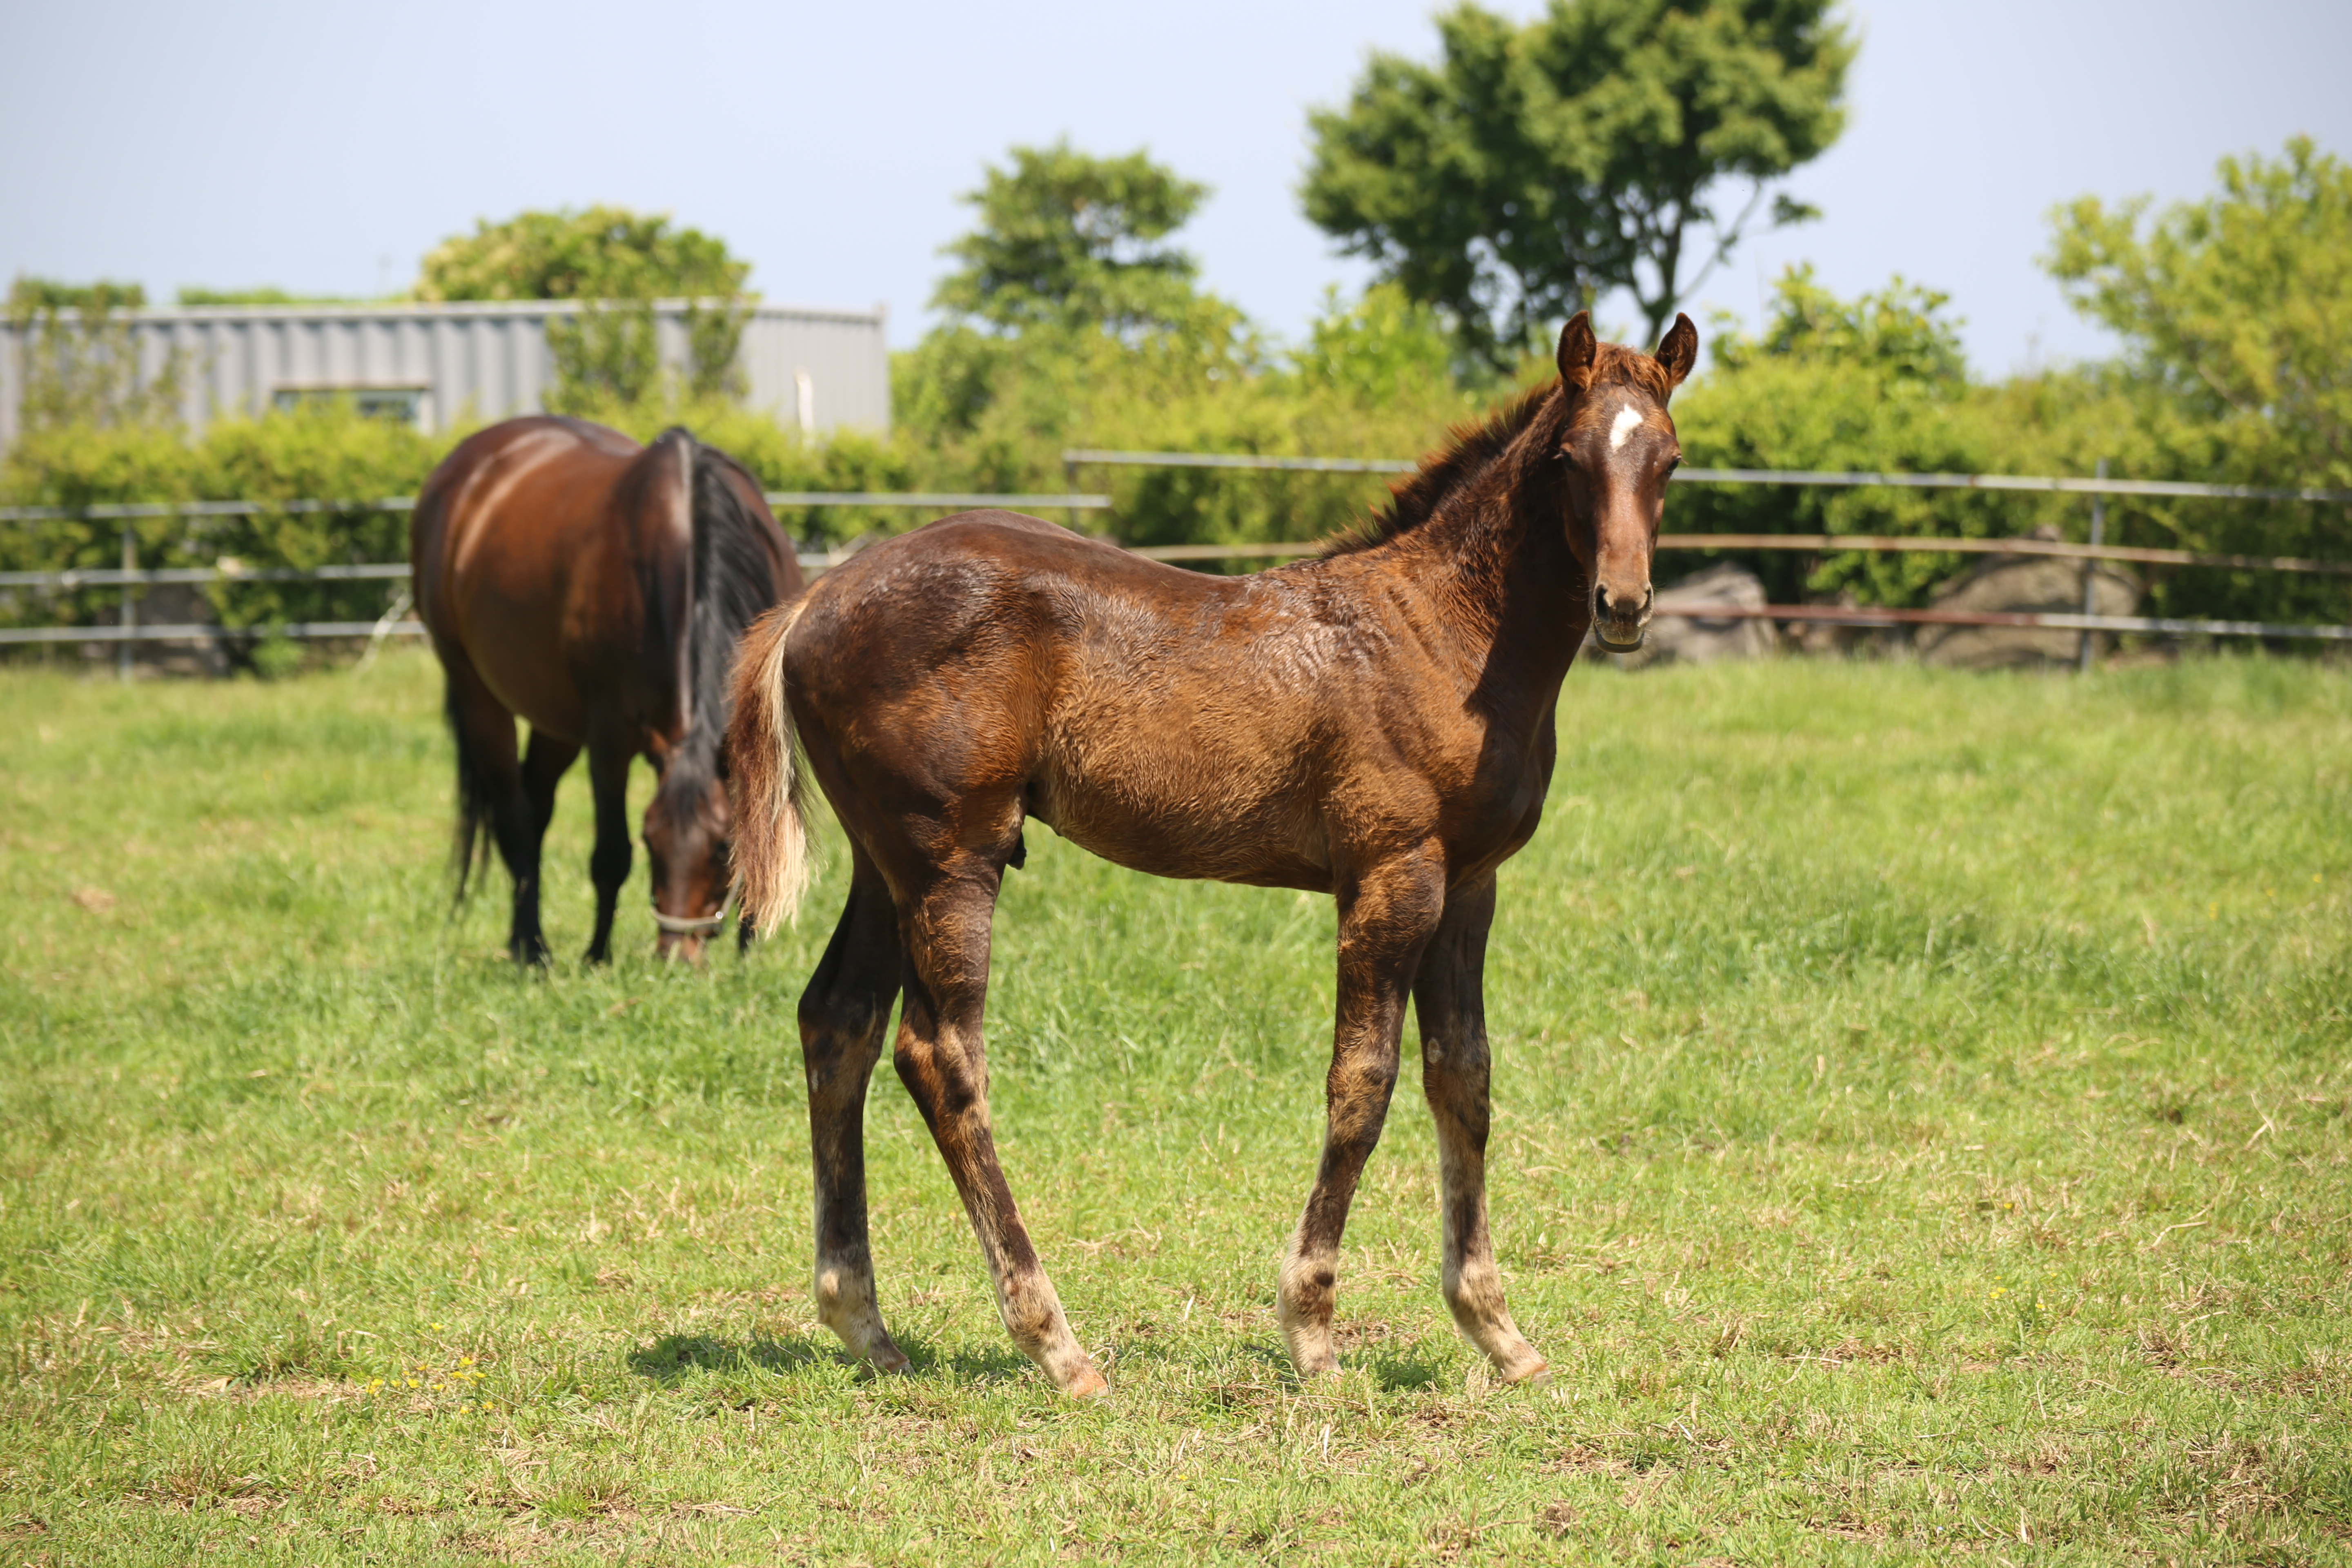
(1376, 723)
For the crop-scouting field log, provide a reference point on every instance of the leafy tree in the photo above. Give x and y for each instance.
(1067, 286)
(262, 296)
(2237, 308)
(79, 366)
(1068, 239)
(1535, 168)
(601, 253)
(1385, 348)
(1876, 383)
(2236, 316)
(604, 355)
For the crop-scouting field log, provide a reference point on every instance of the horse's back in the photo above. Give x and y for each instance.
(524, 548)
(994, 652)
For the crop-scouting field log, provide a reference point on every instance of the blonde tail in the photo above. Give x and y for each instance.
(771, 850)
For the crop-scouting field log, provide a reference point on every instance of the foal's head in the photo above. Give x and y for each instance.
(685, 838)
(1618, 447)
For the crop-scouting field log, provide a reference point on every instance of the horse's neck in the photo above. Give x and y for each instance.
(1498, 569)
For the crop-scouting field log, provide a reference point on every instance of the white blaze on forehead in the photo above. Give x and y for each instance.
(1629, 419)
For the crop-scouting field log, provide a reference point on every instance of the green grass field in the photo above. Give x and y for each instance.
(1923, 1108)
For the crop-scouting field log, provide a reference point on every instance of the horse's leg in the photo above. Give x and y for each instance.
(944, 1063)
(844, 1013)
(608, 863)
(1449, 998)
(543, 763)
(485, 743)
(1385, 918)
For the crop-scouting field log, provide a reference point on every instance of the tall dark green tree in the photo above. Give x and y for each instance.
(1065, 238)
(1609, 144)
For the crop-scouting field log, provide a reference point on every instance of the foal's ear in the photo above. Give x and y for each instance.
(1678, 349)
(1577, 349)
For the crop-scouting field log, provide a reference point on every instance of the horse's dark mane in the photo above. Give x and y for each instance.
(1473, 449)
(734, 584)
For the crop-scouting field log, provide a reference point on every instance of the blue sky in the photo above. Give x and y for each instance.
(325, 148)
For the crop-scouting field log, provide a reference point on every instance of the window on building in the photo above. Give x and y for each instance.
(400, 405)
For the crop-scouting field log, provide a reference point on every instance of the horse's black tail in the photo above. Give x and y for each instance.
(475, 829)
(734, 584)
(477, 826)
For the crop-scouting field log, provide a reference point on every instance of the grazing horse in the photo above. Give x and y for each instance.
(1376, 723)
(596, 588)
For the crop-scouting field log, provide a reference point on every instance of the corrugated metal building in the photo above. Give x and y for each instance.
(437, 364)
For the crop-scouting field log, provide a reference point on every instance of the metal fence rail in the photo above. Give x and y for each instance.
(1832, 541)
(2058, 621)
(116, 576)
(206, 631)
(108, 512)
(1081, 457)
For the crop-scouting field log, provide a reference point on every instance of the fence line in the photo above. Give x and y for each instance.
(109, 512)
(129, 576)
(2061, 621)
(1048, 500)
(116, 576)
(1081, 457)
(207, 631)
(1668, 609)
(1828, 541)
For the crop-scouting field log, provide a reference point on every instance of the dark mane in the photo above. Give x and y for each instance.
(734, 584)
(1473, 448)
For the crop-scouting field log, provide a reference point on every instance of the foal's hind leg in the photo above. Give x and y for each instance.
(844, 1014)
(1449, 998)
(1384, 920)
(944, 1063)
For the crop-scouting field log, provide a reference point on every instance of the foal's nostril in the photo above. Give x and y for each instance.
(1605, 605)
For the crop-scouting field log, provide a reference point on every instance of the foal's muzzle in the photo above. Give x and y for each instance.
(1620, 624)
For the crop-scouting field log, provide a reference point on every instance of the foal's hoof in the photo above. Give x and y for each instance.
(1535, 1376)
(1088, 1383)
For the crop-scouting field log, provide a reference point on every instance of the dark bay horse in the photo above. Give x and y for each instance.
(1377, 724)
(596, 588)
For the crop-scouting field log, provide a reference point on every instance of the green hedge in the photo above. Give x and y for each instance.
(1876, 383)
(326, 454)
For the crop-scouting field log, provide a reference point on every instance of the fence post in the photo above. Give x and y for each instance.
(2091, 571)
(129, 604)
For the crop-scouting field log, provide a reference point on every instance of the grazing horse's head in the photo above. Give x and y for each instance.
(685, 838)
(1618, 445)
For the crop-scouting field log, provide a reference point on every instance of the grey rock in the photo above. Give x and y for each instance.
(2038, 583)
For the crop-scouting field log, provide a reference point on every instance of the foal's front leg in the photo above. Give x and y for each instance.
(1384, 921)
(1449, 997)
